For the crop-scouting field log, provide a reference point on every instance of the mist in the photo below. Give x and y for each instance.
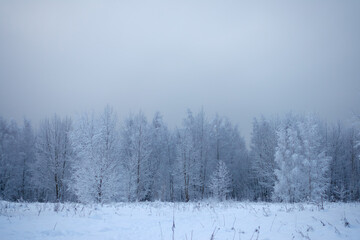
(239, 59)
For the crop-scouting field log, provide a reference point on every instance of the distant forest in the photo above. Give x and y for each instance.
(97, 158)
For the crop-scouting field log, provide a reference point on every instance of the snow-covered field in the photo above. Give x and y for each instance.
(202, 220)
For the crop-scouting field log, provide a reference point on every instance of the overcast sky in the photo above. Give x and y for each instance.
(239, 59)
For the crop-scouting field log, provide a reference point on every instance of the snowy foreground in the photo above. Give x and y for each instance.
(203, 220)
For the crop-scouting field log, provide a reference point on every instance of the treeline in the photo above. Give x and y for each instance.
(97, 158)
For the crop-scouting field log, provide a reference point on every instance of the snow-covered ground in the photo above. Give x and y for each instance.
(202, 220)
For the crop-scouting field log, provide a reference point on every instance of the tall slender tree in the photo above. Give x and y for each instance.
(96, 164)
(10, 160)
(53, 154)
(27, 155)
(263, 144)
(315, 161)
(135, 154)
(160, 161)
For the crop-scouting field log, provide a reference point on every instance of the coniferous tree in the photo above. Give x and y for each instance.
(220, 182)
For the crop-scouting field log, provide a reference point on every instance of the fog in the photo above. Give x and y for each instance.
(235, 58)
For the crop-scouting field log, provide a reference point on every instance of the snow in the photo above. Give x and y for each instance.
(197, 220)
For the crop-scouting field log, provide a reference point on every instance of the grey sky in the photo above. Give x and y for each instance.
(239, 59)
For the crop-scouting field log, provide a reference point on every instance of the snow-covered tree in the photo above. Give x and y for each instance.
(315, 161)
(135, 156)
(302, 162)
(84, 139)
(192, 150)
(263, 144)
(53, 154)
(27, 155)
(301, 159)
(220, 182)
(201, 131)
(96, 165)
(10, 160)
(3, 157)
(227, 145)
(341, 150)
(353, 163)
(16, 158)
(187, 166)
(161, 161)
(290, 183)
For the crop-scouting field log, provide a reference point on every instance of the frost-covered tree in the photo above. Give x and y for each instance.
(263, 144)
(290, 183)
(10, 160)
(353, 163)
(341, 153)
(192, 150)
(188, 166)
(336, 150)
(161, 161)
(16, 158)
(135, 157)
(201, 131)
(227, 145)
(3, 157)
(302, 161)
(315, 161)
(53, 153)
(96, 165)
(27, 158)
(220, 182)
(85, 166)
